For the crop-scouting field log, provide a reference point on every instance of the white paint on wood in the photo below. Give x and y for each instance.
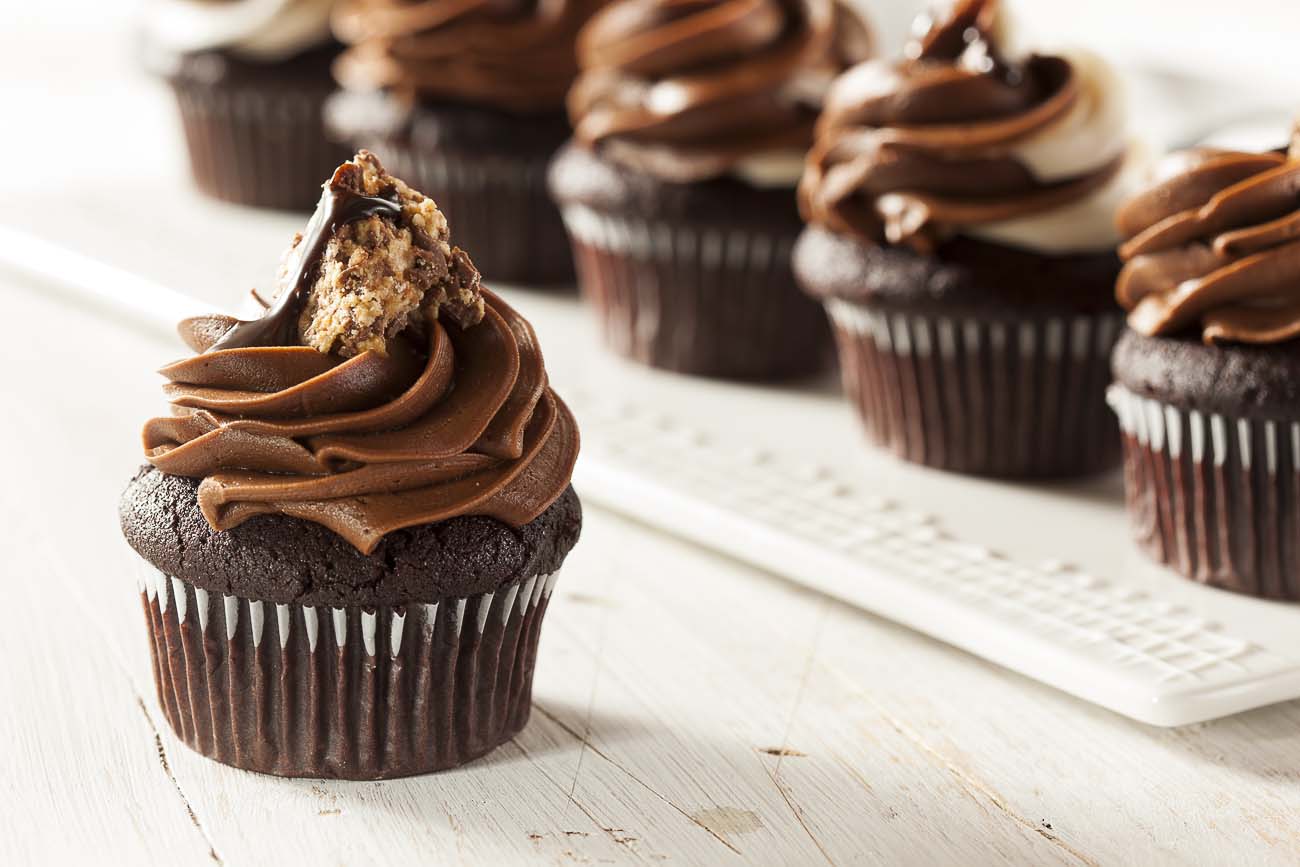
(689, 710)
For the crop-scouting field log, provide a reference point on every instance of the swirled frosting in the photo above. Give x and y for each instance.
(450, 415)
(957, 139)
(514, 55)
(259, 30)
(692, 89)
(1214, 244)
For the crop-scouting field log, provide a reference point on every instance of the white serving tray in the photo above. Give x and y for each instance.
(1040, 579)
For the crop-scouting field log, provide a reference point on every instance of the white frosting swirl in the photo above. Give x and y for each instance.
(260, 30)
(1089, 137)
(1085, 226)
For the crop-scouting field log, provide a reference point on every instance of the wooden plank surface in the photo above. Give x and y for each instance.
(688, 710)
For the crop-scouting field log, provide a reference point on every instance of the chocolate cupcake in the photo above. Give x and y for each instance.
(250, 79)
(467, 100)
(1207, 379)
(960, 235)
(690, 125)
(353, 518)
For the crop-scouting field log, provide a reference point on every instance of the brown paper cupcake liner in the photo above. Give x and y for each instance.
(347, 693)
(985, 396)
(264, 147)
(1214, 497)
(498, 206)
(710, 300)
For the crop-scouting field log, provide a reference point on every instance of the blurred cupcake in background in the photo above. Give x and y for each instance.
(691, 120)
(250, 78)
(960, 204)
(466, 99)
(1208, 374)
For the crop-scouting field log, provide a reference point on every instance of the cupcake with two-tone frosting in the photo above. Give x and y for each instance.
(1207, 378)
(250, 79)
(466, 100)
(353, 517)
(960, 205)
(691, 121)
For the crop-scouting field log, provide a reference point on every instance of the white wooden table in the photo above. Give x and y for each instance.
(689, 710)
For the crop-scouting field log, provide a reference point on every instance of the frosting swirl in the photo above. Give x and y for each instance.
(691, 89)
(955, 138)
(1214, 244)
(259, 30)
(461, 423)
(384, 388)
(510, 54)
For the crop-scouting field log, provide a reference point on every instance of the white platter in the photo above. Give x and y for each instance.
(1040, 579)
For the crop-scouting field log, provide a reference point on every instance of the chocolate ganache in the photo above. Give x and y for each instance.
(515, 55)
(690, 89)
(957, 138)
(1214, 244)
(450, 415)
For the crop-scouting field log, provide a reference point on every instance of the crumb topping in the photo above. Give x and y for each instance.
(378, 275)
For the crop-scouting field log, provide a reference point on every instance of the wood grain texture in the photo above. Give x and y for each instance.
(689, 710)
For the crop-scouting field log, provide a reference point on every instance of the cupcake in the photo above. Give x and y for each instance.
(351, 522)
(467, 101)
(691, 121)
(250, 79)
(960, 235)
(1207, 376)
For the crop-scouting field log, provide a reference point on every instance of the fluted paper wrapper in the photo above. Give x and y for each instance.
(984, 396)
(700, 299)
(499, 208)
(264, 147)
(1214, 497)
(348, 693)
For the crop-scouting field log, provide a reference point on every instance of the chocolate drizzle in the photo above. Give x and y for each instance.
(279, 325)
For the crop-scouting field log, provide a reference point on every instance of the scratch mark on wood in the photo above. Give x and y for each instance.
(823, 612)
(796, 810)
(167, 769)
(640, 782)
(582, 808)
(975, 785)
(598, 665)
(783, 752)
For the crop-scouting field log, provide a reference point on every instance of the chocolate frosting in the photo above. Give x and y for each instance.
(687, 89)
(514, 55)
(1214, 244)
(912, 151)
(462, 423)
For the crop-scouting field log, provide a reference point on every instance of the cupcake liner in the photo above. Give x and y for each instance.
(498, 208)
(982, 395)
(1215, 497)
(712, 300)
(257, 146)
(350, 692)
